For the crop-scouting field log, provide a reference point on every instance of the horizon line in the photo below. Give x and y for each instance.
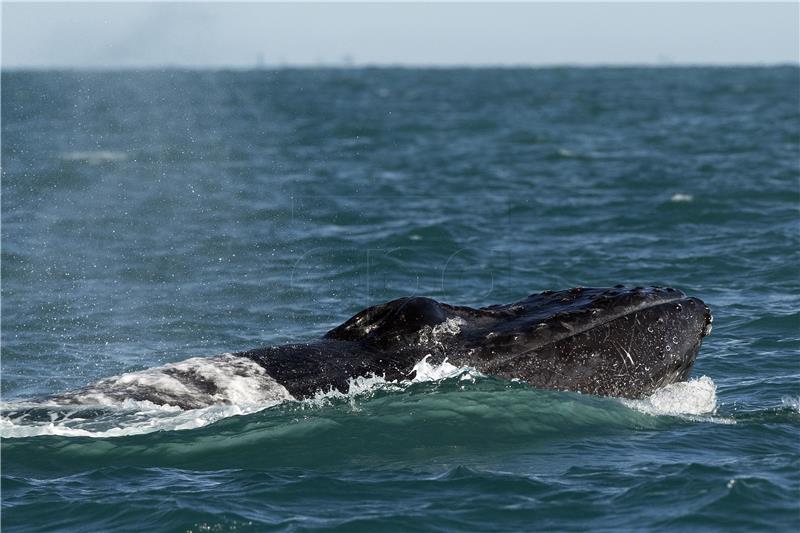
(396, 66)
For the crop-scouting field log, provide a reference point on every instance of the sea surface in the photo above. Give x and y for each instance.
(149, 217)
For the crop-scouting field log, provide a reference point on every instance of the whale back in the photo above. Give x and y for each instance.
(396, 324)
(400, 323)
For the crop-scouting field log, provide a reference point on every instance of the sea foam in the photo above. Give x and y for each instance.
(695, 400)
(214, 388)
(94, 157)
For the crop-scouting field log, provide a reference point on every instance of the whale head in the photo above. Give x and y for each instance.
(615, 341)
(618, 341)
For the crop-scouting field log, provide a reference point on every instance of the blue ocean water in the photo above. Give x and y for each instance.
(149, 217)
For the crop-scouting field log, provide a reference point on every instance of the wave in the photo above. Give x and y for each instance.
(791, 403)
(94, 157)
(695, 399)
(194, 393)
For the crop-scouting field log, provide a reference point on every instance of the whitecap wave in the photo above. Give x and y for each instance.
(366, 385)
(425, 371)
(791, 403)
(695, 399)
(362, 386)
(94, 157)
(127, 418)
(680, 197)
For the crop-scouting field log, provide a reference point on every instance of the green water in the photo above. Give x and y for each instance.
(149, 217)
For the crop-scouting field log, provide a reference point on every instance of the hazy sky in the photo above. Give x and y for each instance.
(237, 35)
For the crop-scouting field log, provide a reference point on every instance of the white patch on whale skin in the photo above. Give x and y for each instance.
(199, 381)
(707, 329)
(212, 387)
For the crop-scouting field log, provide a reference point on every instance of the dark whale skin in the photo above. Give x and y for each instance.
(619, 341)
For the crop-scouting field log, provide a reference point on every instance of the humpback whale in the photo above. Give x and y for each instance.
(618, 341)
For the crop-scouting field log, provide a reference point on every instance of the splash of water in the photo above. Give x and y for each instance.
(436, 334)
(239, 387)
(695, 399)
(792, 403)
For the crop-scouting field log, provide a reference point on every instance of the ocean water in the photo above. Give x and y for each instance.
(151, 217)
